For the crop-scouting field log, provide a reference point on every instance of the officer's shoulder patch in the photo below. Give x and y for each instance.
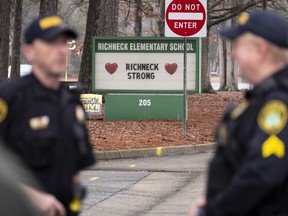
(273, 146)
(3, 110)
(222, 134)
(238, 111)
(272, 118)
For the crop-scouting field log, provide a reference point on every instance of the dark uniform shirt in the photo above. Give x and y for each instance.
(46, 129)
(255, 139)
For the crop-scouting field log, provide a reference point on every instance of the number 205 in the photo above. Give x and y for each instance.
(144, 102)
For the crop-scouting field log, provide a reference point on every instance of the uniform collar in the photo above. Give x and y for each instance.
(281, 77)
(41, 91)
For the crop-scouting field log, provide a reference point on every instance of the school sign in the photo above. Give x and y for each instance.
(143, 77)
(154, 65)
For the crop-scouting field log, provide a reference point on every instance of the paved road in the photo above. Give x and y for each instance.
(149, 186)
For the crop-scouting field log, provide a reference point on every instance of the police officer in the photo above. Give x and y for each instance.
(43, 122)
(249, 172)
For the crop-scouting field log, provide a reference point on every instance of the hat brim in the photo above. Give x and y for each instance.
(53, 33)
(231, 33)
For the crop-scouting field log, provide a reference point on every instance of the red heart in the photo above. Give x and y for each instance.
(111, 68)
(171, 68)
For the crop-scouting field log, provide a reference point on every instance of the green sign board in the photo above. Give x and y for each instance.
(142, 45)
(143, 107)
(144, 65)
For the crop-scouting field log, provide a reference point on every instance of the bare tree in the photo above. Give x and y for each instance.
(48, 7)
(16, 38)
(91, 29)
(138, 21)
(219, 11)
(101, 21)
(228, 68)
(161, 19)
(106, 24)
(206, 79)
(108, 20)
(281, 5)
(222, 62)
(5, 9)
(229, 76)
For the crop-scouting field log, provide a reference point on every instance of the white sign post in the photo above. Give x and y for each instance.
(185, 18)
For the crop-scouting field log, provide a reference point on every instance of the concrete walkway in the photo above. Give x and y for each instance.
(155, 152)
(146, 186)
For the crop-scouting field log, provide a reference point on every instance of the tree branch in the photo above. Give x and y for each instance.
(75, 6)
(214, 20)
(215, 4)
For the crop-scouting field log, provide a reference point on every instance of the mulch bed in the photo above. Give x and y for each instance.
(204, 111)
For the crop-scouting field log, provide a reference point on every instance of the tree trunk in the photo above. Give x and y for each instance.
(85, 77)
(228, 73)
(222, 63)
(230, 67)
(102, 20)
(48, 7)
(205, 79)
(5, 9)
(232, 77)
(16, 42)
(108, 19)
(138, 21)
(161, 21)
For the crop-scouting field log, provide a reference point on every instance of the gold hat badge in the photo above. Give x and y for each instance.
(50, 22)
(243, 18)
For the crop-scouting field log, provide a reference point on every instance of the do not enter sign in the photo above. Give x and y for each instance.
(185, 18)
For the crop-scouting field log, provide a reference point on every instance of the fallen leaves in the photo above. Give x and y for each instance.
(204, 111)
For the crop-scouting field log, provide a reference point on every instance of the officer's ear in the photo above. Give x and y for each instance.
(28, 52)
(263, 49)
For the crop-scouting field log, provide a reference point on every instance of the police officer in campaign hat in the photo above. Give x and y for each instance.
(248, 174)
(43, 122)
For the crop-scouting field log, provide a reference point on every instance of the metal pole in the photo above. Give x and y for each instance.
(185, 87)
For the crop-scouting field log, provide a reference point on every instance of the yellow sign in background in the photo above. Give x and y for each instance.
(92, 103)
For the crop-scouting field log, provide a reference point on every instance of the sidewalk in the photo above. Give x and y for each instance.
(152, 186)
(154, 152)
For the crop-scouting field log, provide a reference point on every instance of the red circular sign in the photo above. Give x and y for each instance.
(185, 17)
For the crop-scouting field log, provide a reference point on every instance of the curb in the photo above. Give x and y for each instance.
(154, 152)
